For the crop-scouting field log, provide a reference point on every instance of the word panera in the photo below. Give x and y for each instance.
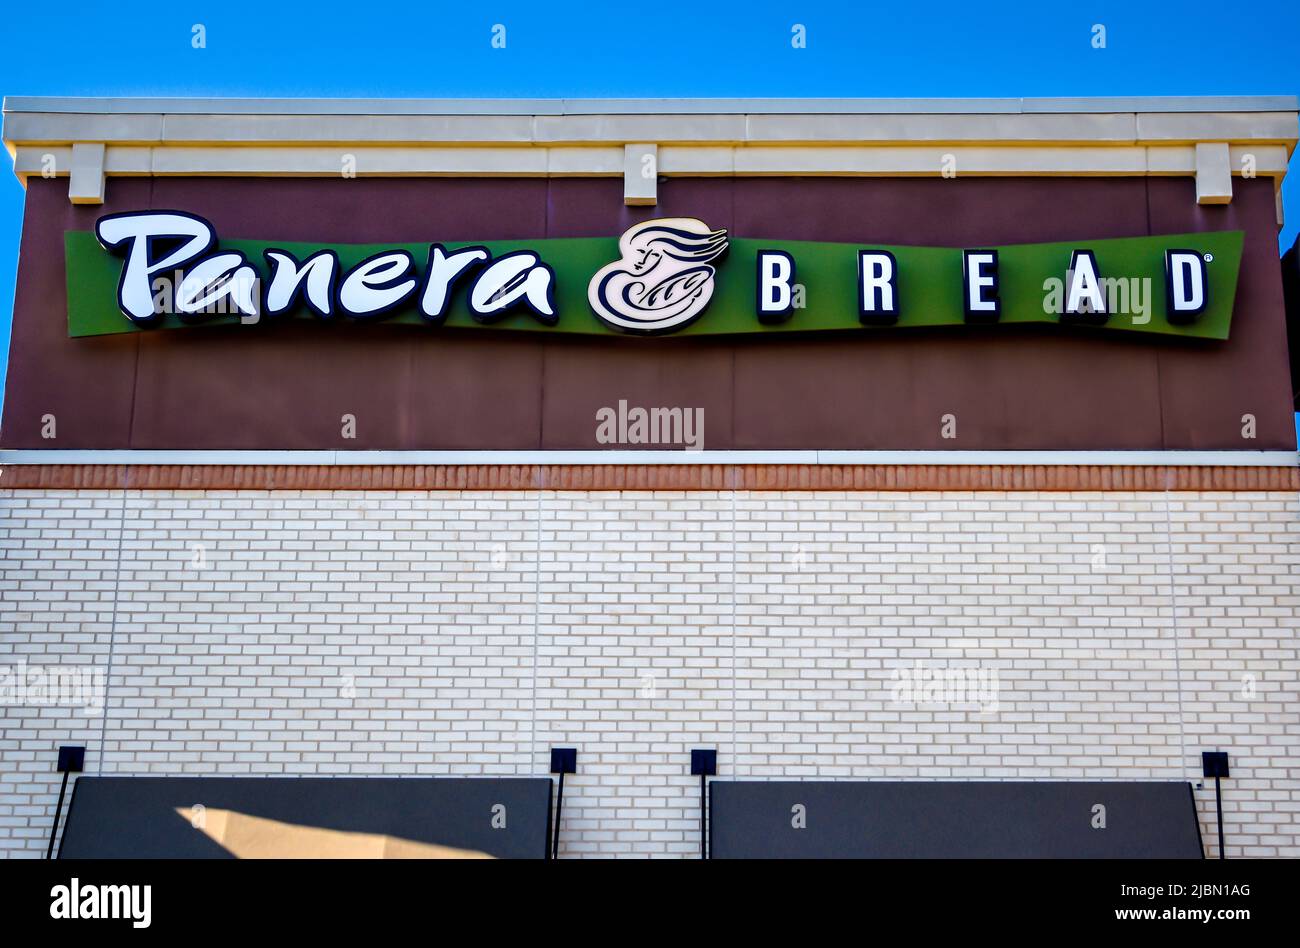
(669, 275)
(375, 286)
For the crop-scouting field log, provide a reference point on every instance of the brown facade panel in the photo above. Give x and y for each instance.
(88, 385)
(419, 388)
(643, 477)
(1206, 390)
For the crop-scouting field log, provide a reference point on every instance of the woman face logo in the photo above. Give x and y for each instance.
(662, 280)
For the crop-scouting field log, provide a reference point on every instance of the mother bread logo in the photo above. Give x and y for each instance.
(662, 280)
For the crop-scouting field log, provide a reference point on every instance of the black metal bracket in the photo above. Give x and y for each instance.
(564, 760)
(704, 761)
(1215, 764)
(71, 761)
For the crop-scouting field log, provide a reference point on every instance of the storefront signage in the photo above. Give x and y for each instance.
(666, 276)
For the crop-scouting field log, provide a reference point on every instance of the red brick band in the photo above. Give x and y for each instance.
(893, 477)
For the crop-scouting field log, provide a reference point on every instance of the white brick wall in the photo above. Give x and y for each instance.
(468, 632)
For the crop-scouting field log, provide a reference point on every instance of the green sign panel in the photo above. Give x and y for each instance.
(672, 276)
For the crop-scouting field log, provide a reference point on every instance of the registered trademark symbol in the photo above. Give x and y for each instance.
(1209, 258)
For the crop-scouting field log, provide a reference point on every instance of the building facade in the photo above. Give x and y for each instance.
(998, 481)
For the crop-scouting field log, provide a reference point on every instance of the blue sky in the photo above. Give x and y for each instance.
(668, 48)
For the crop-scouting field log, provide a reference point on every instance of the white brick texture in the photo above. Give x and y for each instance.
(389, 633)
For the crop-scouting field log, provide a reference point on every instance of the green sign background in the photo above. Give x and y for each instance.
(929, 284)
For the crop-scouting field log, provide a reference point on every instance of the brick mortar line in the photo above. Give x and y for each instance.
(706, 477)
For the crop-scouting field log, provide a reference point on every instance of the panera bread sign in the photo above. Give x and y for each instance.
(166, 269)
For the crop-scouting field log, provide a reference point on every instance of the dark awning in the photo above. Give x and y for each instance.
(323, 817)
(941, 820)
